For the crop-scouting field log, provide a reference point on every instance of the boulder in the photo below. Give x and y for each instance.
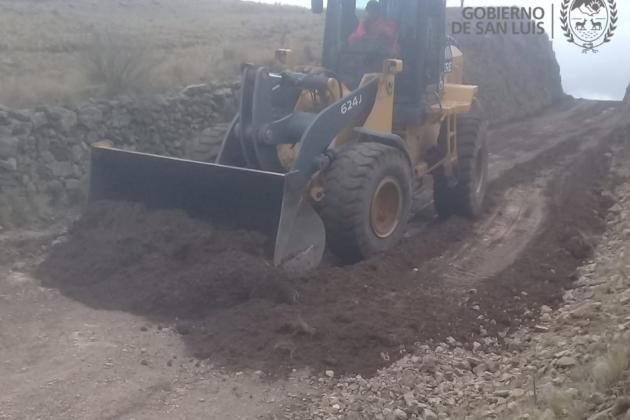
(8, 147)
(90, 117)
(61, 152)
(61, 169)
(39, 119)
(66, 118)
(9, 164)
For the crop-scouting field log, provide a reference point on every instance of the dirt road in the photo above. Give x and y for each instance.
(61, 359)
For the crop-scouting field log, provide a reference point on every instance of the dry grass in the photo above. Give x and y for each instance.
(610, 368)
(67, 51)
(117, 63)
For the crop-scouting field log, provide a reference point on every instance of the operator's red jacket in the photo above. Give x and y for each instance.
(380, 28)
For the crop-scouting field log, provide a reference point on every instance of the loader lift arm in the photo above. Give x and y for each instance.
(258, 133)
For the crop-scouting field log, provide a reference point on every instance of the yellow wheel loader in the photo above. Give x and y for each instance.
(330, 155)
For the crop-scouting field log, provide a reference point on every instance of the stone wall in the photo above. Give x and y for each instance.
(44, 152)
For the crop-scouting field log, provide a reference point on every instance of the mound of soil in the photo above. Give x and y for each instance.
(242, 313)
(162, 263)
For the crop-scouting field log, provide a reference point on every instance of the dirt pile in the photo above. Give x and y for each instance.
(517, 75)
(240, 312)
(160, 263)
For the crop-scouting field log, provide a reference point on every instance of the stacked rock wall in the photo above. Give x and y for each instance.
(44, 152)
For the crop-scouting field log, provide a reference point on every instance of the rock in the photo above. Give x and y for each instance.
(602, 415)
(616, 209)
(572, 392)
(120, 119)
(480, 369)
(503, 393)
(194, 90)
(61, 152)
(222, 93)
(21, 115)
(545, 309)
(513, 344)
(72, 184)
(410, 399)
(77, 153)
(429, 415)
(545, 318)
(353, 415)
(622, 404)
(607, 199)
(517, 393)
(491, 365)
(90, 117)
(548, 415)
(566, 362)
(540, 328)
(22, 129)
(143, 362)
(61, 169)
(585, 310)
(9, 164)
(547, 391)
(462, 364)
(473, 361)
(55, 186)
(429, 361)
(39, 120)
(92, 137)
(330, 373)
(66, 119)
(597, 398)
(9, 147)
(399, 414)
(18, 266)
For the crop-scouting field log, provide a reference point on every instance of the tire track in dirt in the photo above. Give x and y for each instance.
(502, 237)
(512, 224)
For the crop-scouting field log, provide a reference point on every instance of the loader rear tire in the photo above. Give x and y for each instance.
(471, 171)
(367, 200)
(205, 147)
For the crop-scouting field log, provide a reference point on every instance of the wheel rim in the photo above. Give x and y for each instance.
(479, 171)
(386, 207)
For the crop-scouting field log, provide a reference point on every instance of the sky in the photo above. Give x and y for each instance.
(604, 75)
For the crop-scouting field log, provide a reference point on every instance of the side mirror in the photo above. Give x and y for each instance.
(317, 6)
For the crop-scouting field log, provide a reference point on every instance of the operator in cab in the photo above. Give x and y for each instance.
(376, 29)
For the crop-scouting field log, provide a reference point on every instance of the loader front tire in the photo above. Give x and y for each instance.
(466, 197)
(367, 200)
(205, 147)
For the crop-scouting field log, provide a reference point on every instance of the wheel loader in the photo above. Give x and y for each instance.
(330, 155)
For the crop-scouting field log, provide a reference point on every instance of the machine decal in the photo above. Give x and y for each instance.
(351, 103)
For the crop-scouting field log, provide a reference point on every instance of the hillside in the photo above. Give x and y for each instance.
(70, 51)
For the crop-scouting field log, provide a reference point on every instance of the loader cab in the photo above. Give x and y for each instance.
(421, 45)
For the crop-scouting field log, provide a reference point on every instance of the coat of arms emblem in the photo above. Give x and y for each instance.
(588, 24)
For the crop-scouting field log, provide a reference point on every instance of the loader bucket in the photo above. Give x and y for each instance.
(226, 196)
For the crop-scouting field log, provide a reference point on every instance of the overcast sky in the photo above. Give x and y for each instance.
(604, 75)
